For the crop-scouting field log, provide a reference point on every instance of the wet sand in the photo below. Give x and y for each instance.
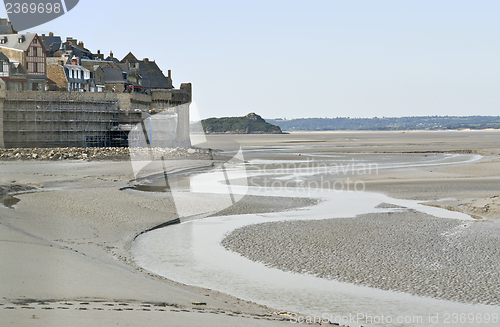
(405, 251)
(70, 242)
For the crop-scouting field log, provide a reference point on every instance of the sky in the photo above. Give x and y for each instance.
(297, 59)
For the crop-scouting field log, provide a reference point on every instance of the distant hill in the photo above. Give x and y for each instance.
(389, 123)
(249, 124)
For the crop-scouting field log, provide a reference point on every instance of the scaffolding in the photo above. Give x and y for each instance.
(80, 119)
(58, 121)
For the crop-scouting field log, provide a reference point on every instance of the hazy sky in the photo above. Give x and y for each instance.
(308, 58)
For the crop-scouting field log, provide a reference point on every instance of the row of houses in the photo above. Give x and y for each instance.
(32, 62)
(56, 92)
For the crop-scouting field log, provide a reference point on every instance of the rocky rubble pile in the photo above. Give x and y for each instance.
(108, 153)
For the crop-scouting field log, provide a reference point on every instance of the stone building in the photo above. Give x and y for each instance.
(83, 119)
(115, 79)
(93, 102)
(152, 76)
(66, 77)
(13, 74)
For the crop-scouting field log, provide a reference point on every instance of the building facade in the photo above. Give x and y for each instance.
(28, 50)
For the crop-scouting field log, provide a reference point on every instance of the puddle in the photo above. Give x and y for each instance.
(8, 201)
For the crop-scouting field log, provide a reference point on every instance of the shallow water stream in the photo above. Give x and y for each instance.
(191, 253)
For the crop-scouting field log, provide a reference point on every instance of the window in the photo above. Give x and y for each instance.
(34, 52)
(35, 67)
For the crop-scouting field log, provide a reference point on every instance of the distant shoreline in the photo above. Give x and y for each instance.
(391, 131)
(389, 123)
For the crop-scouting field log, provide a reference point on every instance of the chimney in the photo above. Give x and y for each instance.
(51, 34)
(75, 61)
(80, 45)
(111, 54)
(98, 51)
(169, 74)
(145, 59)
(71, 40)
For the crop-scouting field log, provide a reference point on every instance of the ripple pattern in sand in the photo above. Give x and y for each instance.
(403, 251)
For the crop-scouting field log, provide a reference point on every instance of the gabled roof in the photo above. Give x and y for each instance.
(55, 41)
(96, 68)
(12, 41)
(77, 51)
(3, 57)
(122, 66)
(87, 63)
(17, 69)
(113, 59)
(152, 76)
(130, 58)
(113, 75)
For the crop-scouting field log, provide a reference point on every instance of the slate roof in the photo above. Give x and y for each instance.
(13, 41)
(6, 27)
(76, 51)
(113, 59)
(3, 57)
(87, 63)
(152, 76)
(55, 41)
(123, 67)
(113, 75)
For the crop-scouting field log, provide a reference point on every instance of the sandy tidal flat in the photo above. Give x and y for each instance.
(66, 246)
(403, 251)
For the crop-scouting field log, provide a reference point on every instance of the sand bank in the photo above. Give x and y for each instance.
(68, 243)
(403, 251)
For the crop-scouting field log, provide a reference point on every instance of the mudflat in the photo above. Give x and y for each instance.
(65, 245)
